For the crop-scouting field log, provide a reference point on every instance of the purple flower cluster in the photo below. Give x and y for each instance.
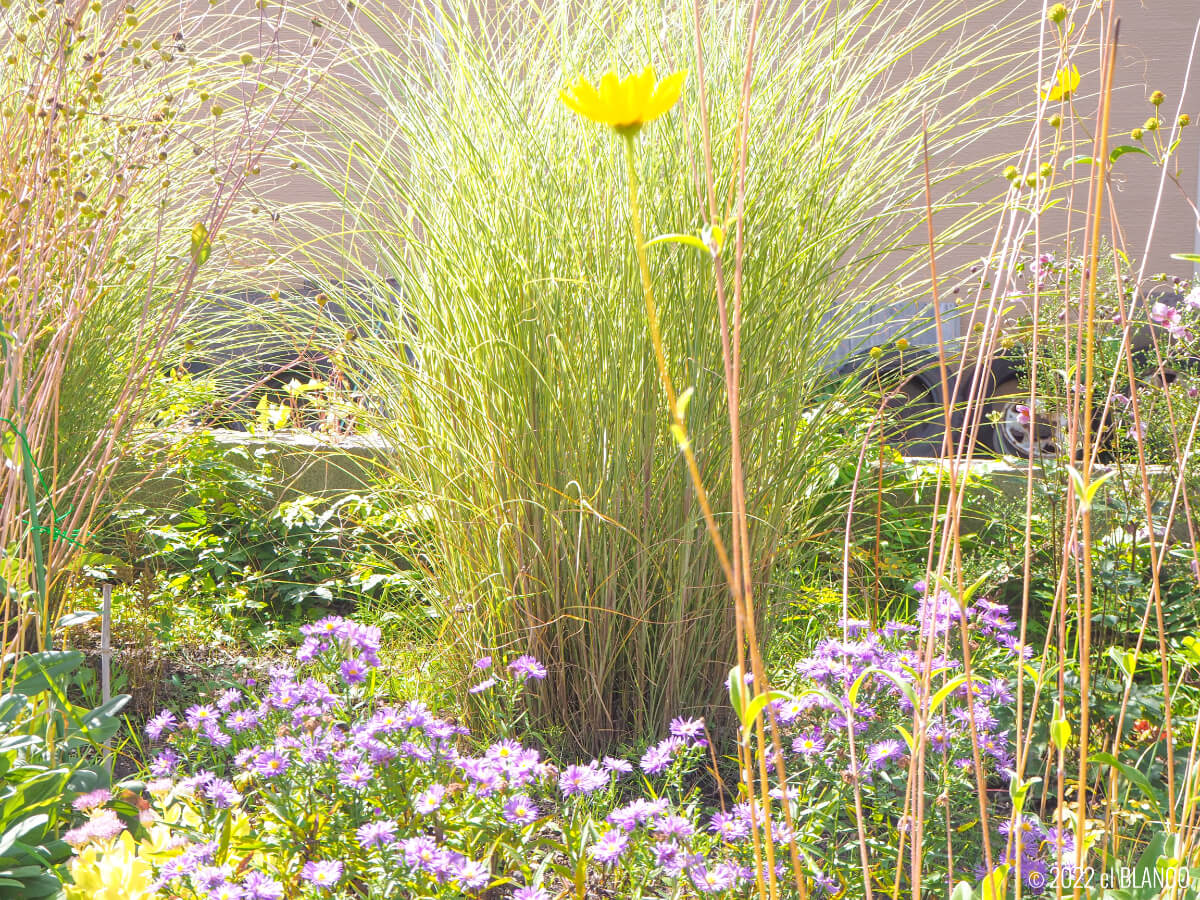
(1034, 852)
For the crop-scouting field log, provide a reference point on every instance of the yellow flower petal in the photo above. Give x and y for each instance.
(624, 104)
(666, 94)
(1065, 83)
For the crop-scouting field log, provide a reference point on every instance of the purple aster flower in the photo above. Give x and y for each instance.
(1000, 691)
(209, 877)
(883, 752)
(939, 736)
(609, 846)
(221, 793)
(357, 775)
(641, 810)
(729, 826)
(714, 879)
(689, 729)
(530, 893)
(527, 667)
(482, 686)
(581, 779)
(164, 763)
(419, 852)
(670, 857)
(324, 874)
(620, 766)
(226, 890)
(520, 810)
(472, 874)
(673, 827)
(201, 715)
(658, 758)
(241, 720)
(809, 744)
(484, 662)
(260, 887)
(164, 723)
(429, 799)
(228, 698)
(379, 833)
(354, 670)
(270, 763)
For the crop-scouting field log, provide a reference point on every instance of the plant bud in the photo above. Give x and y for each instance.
(1055, 121)
(1057, 13)
(1157, 98)
(1185, 120)
(1046, 170)
(1151, 125)
(1010, 172)
(1137, 134)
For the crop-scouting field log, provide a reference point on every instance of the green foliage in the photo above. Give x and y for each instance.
(50, 752)
(532, 422)
(228, 542)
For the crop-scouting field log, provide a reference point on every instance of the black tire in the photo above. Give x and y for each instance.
(1006, 431)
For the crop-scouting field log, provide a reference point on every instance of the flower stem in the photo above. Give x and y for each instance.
(660, 358)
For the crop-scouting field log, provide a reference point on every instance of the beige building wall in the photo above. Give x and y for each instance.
(1156, 42)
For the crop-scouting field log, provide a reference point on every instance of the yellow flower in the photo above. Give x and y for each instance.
(115, 871)
(625, 104)
(1064, 85)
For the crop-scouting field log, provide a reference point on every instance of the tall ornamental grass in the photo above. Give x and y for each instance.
(531, 429)
(129, 134)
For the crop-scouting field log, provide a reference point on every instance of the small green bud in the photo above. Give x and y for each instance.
(1030, 180)
(1157, 98)
(131, 20)
(247, 59)
(1046, 170)
(1057, 13)
(1185, 120)
(1055, 121)
(1151, 124)
(1010, 172)
(902, 344)
(876, 352)
(14, 282)
(217, 110)
(1137, 134)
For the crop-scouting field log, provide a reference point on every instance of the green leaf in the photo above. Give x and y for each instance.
(1018, 792)
(1086, 492)
(1118, 152)
(995, 885)
(758, 704)
(737, 691)
(1081, 160)
(962, 891)
(1060, 733)
(1187, 257)
(201, 245)
(1133, 775)
(36, 671)
(948, 688)
(689, 240)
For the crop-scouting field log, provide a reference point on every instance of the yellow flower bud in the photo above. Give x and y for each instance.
(1185, 120)
(1055, 121)
(1151, 124)
(1057, 13)
(1157, 98)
